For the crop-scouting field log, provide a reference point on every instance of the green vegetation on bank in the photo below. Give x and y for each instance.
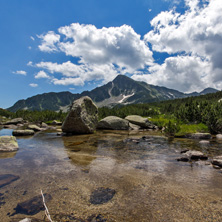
(34, 116)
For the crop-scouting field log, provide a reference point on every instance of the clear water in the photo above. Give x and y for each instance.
(150, 184)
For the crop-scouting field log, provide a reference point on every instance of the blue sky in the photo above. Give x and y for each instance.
(51, 45)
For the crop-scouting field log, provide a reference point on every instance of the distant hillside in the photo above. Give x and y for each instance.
(122, 90)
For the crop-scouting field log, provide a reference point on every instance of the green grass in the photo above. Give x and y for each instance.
(162, 120)
(192, 128)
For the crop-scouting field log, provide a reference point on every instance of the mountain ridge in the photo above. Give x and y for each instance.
(122, 90)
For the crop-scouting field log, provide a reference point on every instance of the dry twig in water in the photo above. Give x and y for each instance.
(46, 209)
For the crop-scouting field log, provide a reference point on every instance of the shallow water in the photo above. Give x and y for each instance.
(149, 184)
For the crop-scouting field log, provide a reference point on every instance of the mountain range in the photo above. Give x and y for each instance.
(122, 90)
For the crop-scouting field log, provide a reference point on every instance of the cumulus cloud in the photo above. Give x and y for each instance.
(197, 31)
(72, 73)
(20, 72)
(49, 41)
(114, 45)
(41, 74)
(196, 38)
(183, 73)
(33, 85)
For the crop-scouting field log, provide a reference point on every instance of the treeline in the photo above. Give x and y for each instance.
(205, 109)
(34, 116)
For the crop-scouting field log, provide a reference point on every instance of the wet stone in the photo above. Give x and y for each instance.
(6, 179)
(102, 195)
(183, 159)
(32, 206)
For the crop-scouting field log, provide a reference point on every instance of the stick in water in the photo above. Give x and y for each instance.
(46, 209)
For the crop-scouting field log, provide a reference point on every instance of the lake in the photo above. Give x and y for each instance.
(112, 176)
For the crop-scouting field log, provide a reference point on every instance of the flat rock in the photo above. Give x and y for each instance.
(32, 206)
(44, 125)
(195, 155)
(6, 179)
(204, 142)
(10, 126)
(14, 121)
(113, 123)
(201, 136)
(8, 143)
(34, 127)
(102, 195)
(140, 121)
(82, 118)
(219, 136)
(57, 123)
(23, 132)
(217, 161)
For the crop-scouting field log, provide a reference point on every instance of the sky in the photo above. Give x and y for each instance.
(73, 45)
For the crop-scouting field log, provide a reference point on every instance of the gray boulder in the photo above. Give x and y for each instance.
(10, 126)
(8, 143)
(82, 118)
(23, 132)
(14, 121)
(113, 123)
(140, 121)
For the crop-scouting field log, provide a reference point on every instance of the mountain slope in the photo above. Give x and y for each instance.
(122, 90)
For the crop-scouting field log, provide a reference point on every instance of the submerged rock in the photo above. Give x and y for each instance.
(6, 179)
(8, 143)
(113, 123)
(32, 206)
(140, 121)
(102, 195)
(82, 118)
(23, 132)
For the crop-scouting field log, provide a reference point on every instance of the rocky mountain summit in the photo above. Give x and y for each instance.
(122, 90)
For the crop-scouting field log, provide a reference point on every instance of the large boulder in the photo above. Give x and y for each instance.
(14, 121)
(23, 132)
(140, 121)
(82, 118)
(8, 143)
(113, 123)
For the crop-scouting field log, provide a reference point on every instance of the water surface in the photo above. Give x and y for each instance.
(149, 184)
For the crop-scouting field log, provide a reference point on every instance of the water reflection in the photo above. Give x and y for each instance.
(5, 155)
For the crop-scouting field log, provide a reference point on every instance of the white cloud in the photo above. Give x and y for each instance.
(68, 81)
(196, 36)
(197, 31)
(33, 84)
(71, 73)
(114, 45)
(32, 38)
(20, 72)
(41, 74)
(183, 73)
(49, 42)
